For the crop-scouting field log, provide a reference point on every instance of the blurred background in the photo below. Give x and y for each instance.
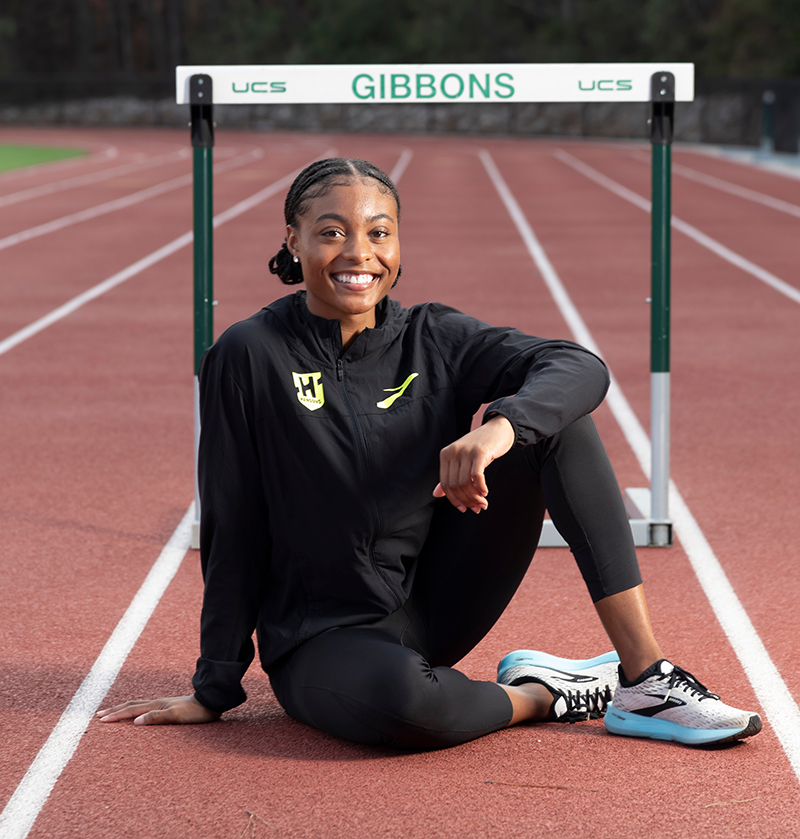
(111, 61)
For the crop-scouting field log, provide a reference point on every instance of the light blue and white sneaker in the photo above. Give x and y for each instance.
(582, 688)
(668, 703)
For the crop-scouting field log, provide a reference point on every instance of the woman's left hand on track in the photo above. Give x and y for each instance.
(462, 463)
(174, 710)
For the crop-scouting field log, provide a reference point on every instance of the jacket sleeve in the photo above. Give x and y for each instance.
(540, 386)
(234, 535)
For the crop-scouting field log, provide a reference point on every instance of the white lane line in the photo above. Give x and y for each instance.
(400, 166)
(727, 186)
(35, 787)
(687, 229)
(122, 203)
(751, 158)
(775, 698)
(92, 178)
(109, 153)
(267, 192)
(82, 299)
(140, 265)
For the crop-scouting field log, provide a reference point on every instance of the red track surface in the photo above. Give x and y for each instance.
(96, 425)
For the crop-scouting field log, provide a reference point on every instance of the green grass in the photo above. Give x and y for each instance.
(15, 157)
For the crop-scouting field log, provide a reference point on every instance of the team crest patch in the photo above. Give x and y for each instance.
(309, 390)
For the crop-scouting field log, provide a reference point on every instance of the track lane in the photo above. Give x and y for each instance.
(32, 298)
(782, 183)
(758, 245)
(51, 187)
(114, 179)
(729, 187)
(29, 797)
(121, 203)
(97, 155)
(123, 145)
(272, 765)
(260, 736)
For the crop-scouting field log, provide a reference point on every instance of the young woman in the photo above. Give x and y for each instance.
(346, 510)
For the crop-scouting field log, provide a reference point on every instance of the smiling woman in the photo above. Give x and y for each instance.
(336, 465)
(16, 157)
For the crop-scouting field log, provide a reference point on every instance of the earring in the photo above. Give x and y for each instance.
(295, 258)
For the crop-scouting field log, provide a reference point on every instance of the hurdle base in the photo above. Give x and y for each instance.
(196, 536)
(646, 532)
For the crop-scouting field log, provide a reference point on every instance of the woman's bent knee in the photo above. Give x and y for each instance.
(392, 697)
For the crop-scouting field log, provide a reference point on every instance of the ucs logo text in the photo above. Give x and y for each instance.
(607, 84)
(260, 87)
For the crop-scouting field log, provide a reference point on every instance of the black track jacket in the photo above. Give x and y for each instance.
(317, 465)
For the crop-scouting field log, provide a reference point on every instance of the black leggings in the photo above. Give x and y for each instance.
(391, 682)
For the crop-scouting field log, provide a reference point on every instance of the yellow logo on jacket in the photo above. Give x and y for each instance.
(396, 392)
(309, 390)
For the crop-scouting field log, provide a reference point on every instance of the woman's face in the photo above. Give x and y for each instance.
(347, 243)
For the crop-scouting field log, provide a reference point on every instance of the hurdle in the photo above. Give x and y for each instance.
(660, 84)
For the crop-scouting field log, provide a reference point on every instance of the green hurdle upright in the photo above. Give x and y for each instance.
(661, 124)
(660, 84)
(201, 98)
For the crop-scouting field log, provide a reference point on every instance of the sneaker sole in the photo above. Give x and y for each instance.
(628, 724)
(538, 659)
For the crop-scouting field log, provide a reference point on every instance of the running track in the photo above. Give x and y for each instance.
(96, 429)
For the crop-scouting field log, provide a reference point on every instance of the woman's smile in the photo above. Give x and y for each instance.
(354, 279)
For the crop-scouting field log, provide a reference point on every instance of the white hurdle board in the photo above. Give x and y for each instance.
(277, 84)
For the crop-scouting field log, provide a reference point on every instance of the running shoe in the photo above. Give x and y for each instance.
(581, 688)
(668, 703)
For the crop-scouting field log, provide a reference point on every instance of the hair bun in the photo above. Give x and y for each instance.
(288, 271)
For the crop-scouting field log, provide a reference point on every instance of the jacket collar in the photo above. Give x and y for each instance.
(321, 336)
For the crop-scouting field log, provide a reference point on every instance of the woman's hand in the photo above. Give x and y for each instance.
(175, 710)
(462, 463)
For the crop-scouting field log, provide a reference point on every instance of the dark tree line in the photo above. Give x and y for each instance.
(92, 36)
(733, 38)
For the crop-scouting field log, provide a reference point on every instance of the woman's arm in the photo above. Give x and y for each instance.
(535, 386)
(539, 385)
(234, 535)
(234, 552)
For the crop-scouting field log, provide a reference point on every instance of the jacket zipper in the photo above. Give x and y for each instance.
(368, 468)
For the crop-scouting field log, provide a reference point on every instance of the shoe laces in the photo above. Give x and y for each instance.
(684, 680)
(585, 705)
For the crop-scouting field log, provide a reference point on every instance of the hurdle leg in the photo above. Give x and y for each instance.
(661, 129)
(202, 126)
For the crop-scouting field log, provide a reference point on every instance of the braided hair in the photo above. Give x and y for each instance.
(315, 180)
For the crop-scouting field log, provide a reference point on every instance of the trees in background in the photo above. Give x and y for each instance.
(734, 38)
